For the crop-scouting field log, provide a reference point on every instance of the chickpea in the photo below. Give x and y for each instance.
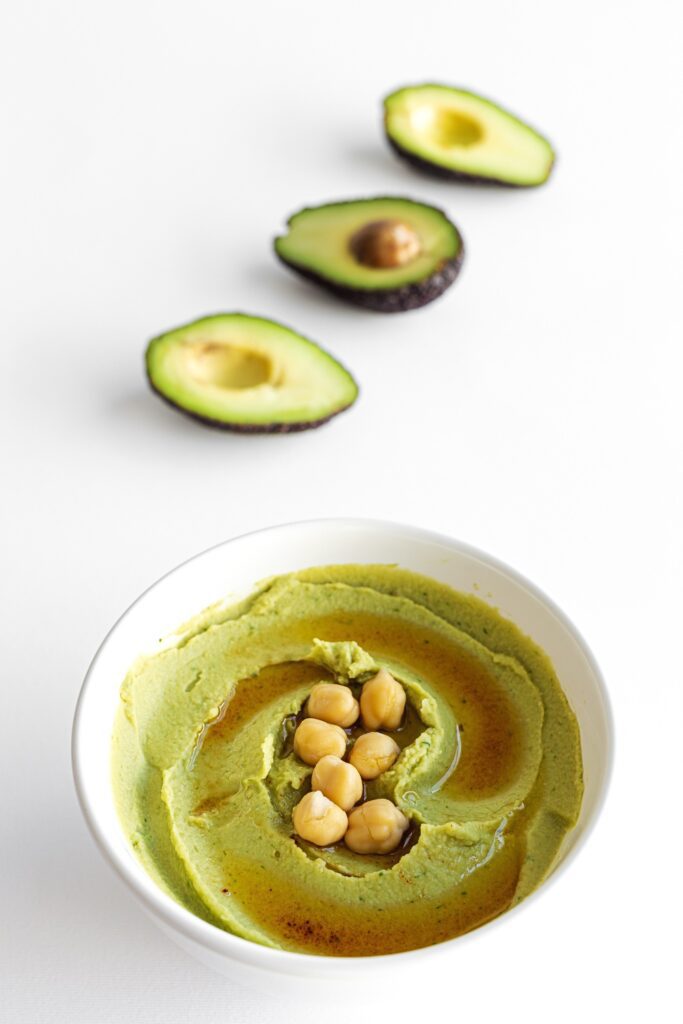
(314, 739)
(375, 827)
(333, 702)
(373, 753)
(382, 702)
(318, 820)
(338, 780)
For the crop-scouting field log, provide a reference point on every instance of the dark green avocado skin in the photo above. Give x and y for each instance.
(246, 428)
(389, 300)
(436, 171)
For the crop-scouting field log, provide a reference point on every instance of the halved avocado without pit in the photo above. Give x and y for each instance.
(248, 374)
(387, 253)
(454, 133)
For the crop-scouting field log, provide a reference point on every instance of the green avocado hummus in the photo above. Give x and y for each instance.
(205, 778)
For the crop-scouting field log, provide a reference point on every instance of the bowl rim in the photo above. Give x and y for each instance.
(246, 952)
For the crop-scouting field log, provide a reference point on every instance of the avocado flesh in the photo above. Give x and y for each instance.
(248, 374)
(319, 246)
(457, 134)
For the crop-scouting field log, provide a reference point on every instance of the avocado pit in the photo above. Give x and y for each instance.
(385, 244)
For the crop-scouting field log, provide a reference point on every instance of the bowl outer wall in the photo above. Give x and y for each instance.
(229, 571)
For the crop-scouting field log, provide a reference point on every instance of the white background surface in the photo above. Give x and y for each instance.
(151, 151)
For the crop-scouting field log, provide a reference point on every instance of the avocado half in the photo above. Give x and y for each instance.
(453, 133)
(388, 253)
(247, 374)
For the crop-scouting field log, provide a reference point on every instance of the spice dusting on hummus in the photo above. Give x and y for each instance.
(479, 775)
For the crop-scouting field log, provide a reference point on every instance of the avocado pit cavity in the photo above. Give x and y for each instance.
(224, 365)
(385, 244)
(446, 127)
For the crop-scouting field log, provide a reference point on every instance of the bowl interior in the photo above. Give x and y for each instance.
(230, 571)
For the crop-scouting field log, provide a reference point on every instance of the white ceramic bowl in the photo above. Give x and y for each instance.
(231, 569)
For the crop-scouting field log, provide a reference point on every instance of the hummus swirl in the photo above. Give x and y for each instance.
(489, 773)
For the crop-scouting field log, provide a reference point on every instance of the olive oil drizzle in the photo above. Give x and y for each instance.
(452, 766)
(204, 731)
(482, 758)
